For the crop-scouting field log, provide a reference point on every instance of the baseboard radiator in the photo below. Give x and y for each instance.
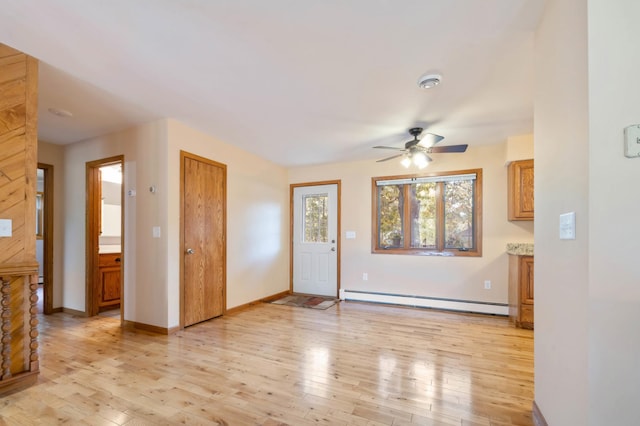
(425, 302)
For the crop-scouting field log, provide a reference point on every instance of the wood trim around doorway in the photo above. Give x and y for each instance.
(338, 184)
(92, 218)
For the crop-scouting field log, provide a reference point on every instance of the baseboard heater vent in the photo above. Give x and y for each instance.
(426, 302)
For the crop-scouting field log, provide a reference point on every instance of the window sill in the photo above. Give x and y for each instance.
(409, 252)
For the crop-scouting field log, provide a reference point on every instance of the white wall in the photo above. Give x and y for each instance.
(145, 284)
(448, 277)
(587, 293)
(54, 155)
(561, 185)
(257, 218)
(519, 147)
(111, 219)
(614, 240)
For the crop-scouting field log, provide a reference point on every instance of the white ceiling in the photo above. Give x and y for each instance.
(295, 81)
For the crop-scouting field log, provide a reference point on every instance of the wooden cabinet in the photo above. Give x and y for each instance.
(521, 290)
(108, 290)
(521, 190)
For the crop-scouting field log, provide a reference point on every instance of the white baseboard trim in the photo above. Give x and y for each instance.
(426, 302)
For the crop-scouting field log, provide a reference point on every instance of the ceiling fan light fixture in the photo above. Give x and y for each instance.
(427, 81)
(406, 162)
(421, 160)
(421, 165)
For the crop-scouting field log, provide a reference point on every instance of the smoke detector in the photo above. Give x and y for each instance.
(428, 81)
(60, 112)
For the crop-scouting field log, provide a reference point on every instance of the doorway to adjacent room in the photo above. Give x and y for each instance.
(105, 230)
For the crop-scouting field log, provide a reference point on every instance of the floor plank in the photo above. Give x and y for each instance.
(353, 364)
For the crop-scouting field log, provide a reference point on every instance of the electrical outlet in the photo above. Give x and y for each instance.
(487, 285)
(365, 276)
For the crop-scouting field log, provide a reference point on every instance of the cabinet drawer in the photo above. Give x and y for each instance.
(110, 259)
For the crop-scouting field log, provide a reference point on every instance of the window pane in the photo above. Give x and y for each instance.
(315, 218)
(423, 215)
(390, 206)
(458, 216)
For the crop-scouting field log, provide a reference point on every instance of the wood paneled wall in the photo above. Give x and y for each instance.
(18, 267)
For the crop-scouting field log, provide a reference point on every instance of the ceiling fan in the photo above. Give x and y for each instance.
(416, 150)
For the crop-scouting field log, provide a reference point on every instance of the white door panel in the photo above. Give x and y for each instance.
(315, 235)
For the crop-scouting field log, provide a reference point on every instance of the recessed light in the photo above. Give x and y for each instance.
(60, 112)
(427, 81)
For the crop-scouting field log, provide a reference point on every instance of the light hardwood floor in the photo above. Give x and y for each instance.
(354, 363)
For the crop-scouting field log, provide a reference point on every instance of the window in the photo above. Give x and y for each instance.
(437, 213)
(316, 218)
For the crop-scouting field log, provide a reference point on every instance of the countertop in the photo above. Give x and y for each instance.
(520, 249)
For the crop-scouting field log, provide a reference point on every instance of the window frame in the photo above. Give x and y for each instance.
(440, 249)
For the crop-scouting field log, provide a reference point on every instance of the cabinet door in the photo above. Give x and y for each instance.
(521, 190)
(109, 285)
(526, 279)
(526, 292)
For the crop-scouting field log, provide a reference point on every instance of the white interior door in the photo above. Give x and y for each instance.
(315, 236)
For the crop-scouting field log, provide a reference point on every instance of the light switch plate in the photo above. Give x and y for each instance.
(5, 227)
(632, 141)
(351, 235)
(568, 226)
(156, 232)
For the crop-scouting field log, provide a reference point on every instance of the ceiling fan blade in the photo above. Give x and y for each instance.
(389, 147)
(430, 139)
(450, 148)
(389, 158)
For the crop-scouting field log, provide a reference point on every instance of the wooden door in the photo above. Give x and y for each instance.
(203, 237)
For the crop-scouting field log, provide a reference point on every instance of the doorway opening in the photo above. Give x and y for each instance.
(105, 246)
(44, 237)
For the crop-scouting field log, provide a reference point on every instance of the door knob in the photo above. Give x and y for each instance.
(190, 251)
(333, 249)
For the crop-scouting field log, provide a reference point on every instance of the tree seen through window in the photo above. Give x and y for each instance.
(316, 218)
